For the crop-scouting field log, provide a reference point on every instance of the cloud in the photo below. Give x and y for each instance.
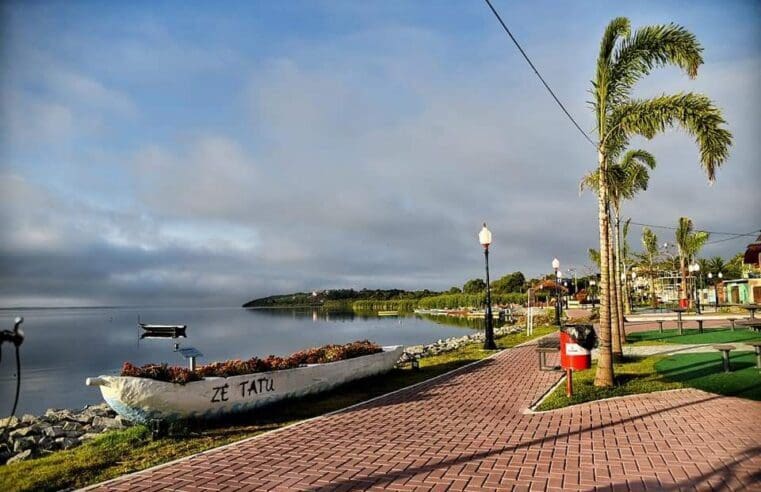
(366, 159)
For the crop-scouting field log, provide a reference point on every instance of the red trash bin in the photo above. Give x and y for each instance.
(684, 303)
(572, 355)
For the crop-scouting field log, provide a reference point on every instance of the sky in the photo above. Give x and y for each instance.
(206, 153)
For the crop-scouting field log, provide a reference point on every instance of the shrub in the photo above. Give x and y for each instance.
(237, 367)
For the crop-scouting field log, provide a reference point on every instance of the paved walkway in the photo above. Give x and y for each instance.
(470, 431)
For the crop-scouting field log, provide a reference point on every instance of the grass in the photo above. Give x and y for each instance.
(126, 451)
(713, 335)
(657, 373)
(632, 377)
(705, 371)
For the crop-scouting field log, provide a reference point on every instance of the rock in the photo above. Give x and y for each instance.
(67, 442)
(27, 419)
(88, 435)
(46, 442)
(74, 433)
(124, 421)
(9, 423)
(22, 432)
(22, 456)
(107, 423)
(54, 432)
(23, 443)
(71, 426)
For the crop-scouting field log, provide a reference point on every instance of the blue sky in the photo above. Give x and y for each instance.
(186, 153)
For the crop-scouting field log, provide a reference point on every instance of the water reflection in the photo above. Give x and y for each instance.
(64, 346)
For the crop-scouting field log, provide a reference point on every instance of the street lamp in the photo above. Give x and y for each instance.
(694, 269)
(631, 292)
(484, 237)
(556, 267)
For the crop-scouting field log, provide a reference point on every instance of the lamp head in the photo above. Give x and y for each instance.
(555, 263)
(559, 274)
(710, 275)
(721, 275)
(484, 237)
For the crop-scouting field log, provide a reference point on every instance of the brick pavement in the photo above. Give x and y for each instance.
(470, 431)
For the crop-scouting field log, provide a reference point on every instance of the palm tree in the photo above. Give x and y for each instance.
(624, 180)
(716, 265)
(689, 243)
(624, 58)
(650, 245)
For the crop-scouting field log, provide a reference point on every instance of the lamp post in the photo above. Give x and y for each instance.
(694, 269)
(631, 291)
(592, 283)
(484, 237)
(556, 267)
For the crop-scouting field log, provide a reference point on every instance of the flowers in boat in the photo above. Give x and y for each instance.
(237, 367)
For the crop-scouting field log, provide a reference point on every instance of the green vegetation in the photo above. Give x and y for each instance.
(133, 449)
(403, 305)
(454, 301)
(714, 335)
(705, 371)
(657, 373)
(632, 377)
(474, 286)
(335, 298)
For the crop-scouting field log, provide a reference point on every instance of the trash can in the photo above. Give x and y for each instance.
(684, 303)
(576, 344)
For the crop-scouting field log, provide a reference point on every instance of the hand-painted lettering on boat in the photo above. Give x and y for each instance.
(256, 386)
(220, 393)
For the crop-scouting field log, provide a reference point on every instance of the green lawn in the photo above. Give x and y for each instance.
(121, 452)
(705, 371)
(656, 373)
(691, 336)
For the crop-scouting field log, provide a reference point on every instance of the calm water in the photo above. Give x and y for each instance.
(65, 346)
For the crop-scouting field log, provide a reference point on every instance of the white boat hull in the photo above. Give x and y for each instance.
(143, 399)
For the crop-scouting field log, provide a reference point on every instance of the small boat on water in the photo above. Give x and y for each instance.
(163, 331)
(143, 399)
(388, 313)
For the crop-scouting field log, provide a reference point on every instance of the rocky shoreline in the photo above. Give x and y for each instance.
(32, 437)
(452, 343)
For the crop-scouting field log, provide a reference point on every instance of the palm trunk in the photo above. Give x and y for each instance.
(604, 375)
(621, 291)
(615, 311)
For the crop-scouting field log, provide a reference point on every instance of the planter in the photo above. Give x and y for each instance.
(143, 399)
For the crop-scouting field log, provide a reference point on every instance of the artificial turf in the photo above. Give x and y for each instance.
(705, 371)
(713, 335)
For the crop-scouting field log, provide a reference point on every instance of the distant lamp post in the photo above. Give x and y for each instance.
(484, 237)
(695, 270)
(592, 284)
(631, 292)
(556, 268)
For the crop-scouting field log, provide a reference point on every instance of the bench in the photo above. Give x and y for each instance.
(732, 320)
(700, 325)
(757, 347)
(725, 349)
(660, 325)
(544, 347)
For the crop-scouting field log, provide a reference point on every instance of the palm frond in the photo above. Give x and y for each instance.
(648, 48)
(695, 113)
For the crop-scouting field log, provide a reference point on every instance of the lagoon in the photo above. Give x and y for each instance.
(65, 346)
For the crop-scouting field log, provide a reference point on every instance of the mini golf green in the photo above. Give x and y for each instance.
(704, 371)
(713, 335)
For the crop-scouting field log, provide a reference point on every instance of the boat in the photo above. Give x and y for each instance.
(144, 400)
(163, 331)
(388, 313)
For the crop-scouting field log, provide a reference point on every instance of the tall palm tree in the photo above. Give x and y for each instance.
(689, 243)
(650, 246)
(624, 180)
(625, 58)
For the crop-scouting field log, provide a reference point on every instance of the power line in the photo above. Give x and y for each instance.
(737, 234)
(504, 26)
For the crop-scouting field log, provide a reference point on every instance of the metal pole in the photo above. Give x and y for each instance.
(557, 299)
(489, 338)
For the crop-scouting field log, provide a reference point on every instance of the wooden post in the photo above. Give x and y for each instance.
(569, 383)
